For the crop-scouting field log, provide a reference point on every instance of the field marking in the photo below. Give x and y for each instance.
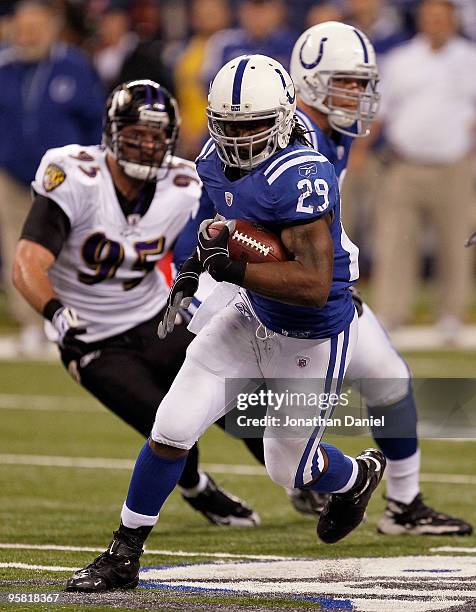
(407, 583)
(410, 583)
(44, 568)
(68, 462)
(462, 479)
(217, 468)
(458, 549)
(49, 403)
(166, 553)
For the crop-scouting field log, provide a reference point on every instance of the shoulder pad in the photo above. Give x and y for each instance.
(206, 151)
(303, 185)
(59, 175)
(183, 172)
(304, 162)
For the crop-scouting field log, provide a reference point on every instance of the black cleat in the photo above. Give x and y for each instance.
(416, 518)
(306, 501)
(116, 568)
(222, 508)
(345, 511)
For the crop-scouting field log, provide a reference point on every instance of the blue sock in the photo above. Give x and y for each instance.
(153, 480)
(338, 473)
(398, 437)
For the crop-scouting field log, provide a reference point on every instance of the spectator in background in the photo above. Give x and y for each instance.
(207, 17)
(262, 29)
(145, 61)
(385, 28)
(124, 54)
(379, 20)
(146, 18)
(320, 13)
(49, 96)
(76, 27)
(429, 113)
(115, 41)
(6, 8)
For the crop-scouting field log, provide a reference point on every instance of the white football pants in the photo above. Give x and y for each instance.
(228, 347)
(376, 368)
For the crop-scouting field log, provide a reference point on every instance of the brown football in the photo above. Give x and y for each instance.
(251, 242)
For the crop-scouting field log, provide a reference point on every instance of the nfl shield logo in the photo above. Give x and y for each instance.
(133, 219)
(228, 198)
(302, 361)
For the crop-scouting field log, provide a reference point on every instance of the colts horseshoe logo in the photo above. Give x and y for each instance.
(318, 58)
(283, 81)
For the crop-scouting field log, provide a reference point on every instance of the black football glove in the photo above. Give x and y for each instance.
(214, 255)
(471, 240)
(181, 294)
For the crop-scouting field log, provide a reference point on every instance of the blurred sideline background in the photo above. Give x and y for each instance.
(182, 44)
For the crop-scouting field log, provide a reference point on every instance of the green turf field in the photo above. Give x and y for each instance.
(46, 417)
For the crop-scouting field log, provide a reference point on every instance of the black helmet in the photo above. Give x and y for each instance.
(141, 103)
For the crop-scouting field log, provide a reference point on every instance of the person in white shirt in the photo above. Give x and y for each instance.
(429, 114)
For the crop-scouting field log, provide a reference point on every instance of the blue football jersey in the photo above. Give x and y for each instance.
(335, 148)
(295, 185)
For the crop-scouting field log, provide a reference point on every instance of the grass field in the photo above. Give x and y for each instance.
(51, 496)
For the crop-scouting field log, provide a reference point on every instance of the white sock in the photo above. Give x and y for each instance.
(353, 477)
(197, 489)
(403, 478)
(133, 520)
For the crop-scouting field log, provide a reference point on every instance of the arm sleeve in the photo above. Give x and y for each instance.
(187, 240)
(46, 224)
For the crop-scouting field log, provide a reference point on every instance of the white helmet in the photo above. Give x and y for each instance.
(331, 51)
(251, 88)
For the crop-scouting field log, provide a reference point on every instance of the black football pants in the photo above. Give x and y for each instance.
(131, 373)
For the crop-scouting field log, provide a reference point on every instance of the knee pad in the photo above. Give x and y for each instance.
(279, 465)
(172, 428)
(378, 371)
(390, 388)
(172, 434)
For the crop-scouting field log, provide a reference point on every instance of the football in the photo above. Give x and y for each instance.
(252, 242)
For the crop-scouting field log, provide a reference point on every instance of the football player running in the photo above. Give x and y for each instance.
(334, 69)
(287, 309)
(101, 219)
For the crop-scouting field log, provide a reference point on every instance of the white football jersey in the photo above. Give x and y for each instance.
(106, 269)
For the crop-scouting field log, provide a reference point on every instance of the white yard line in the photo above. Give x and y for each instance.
(167, 553)
(216, 468)
(50, 403)
(451, 549)
(67, 462)
(463, 479)
(43, 568)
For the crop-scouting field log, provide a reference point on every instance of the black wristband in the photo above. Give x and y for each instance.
(233, 272)
(51, 308)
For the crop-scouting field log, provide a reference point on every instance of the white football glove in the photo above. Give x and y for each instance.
(181, 294)
(66, 323)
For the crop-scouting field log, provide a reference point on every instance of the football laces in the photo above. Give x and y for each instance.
(251, 242)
